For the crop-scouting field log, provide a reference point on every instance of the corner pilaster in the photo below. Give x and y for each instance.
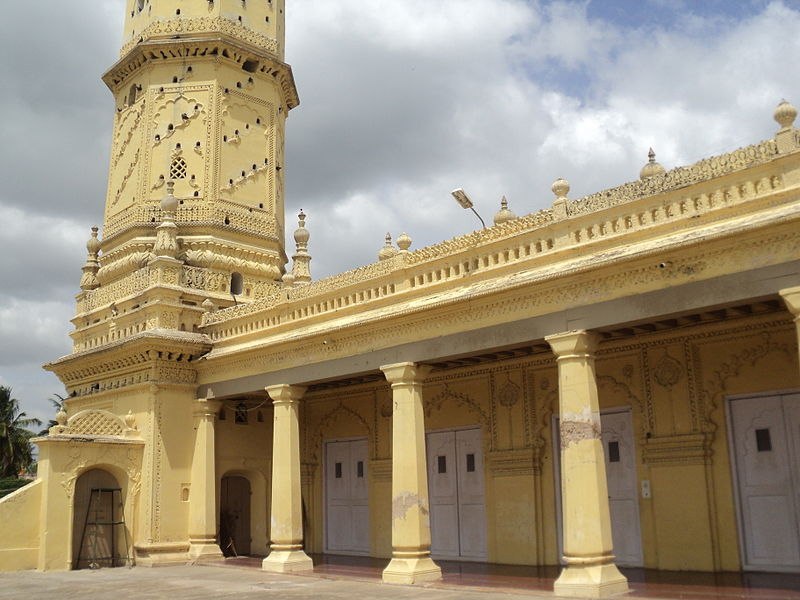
(202, 500)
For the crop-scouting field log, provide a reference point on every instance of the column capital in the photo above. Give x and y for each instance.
(285, 393)
(206, 407)
(573, 344)
(791, 296)
(406, 373)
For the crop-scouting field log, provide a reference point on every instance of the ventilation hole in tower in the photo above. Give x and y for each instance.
(239, 84)
(230, 181)
(236, 132)
(177, 12)
(261, 205)
(224, 138)
(250, 80)
(267, 19)
(254, 167)
(177, 169)
(240, 18)
(197, 194)
(197, 107)
(258, 121)
(170, 127)
(247, 126)
(227, 90)
(175, 79)
(178, 146)
(158, 138)
(227, 220)
(180, 201)
(197, 145)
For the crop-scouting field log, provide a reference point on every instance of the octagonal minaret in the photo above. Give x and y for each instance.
(201, 94)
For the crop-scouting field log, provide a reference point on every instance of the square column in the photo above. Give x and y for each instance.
(411, 527)
(203, 494)
(287, 553)
(588, 547)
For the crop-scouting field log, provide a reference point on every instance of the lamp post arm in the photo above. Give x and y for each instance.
(479, 217)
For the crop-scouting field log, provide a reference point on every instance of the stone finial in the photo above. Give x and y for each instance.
(301, 261)
(785, 114)
(61, 417)
(288, 279)
(404, 242)
(503, 214)
(92, 266)
(652, 168)
(388, 251)
(561, 188)
(167, 233)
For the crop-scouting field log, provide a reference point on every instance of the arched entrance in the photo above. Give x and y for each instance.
(234, 516)
(99, 535)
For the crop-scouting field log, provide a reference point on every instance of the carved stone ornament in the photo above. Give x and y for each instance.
(668, 371)
(508, 395)
(94, 422)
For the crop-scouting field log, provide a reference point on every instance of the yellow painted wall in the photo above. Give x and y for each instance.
(19, 519)
(675, 384)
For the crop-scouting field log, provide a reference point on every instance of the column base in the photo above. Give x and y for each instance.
(287, 561)
(596, 581)
(204, 551)
(410, 571)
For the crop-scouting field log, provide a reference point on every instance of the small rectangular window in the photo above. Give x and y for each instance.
(442, 464)
(360, 468)
(763, 440)
(470, 463)
(613, 452)
(338, 469)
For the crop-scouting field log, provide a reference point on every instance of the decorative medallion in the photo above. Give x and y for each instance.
(668, 371)
(509, 394)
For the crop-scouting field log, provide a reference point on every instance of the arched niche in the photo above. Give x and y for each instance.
(100, 537)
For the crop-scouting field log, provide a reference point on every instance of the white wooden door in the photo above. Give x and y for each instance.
(456, 490)
(471, 499)
(623, 493)
(766, 439)
(443, 494)
(347, 497)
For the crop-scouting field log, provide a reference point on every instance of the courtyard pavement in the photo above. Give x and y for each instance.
(230, 580)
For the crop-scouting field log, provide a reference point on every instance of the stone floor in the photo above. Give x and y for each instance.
(339, 578)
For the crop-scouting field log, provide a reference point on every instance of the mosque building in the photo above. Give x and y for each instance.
(611, 381)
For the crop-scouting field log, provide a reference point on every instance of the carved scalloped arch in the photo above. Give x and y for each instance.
(336, 412)
(95, 422)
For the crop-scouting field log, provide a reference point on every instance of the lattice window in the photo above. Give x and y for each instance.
(178, 169)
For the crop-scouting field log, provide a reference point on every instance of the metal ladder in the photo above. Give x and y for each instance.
(104, 516)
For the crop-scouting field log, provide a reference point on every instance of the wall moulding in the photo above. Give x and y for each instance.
(674, 450)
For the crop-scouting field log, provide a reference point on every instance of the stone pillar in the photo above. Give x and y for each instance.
(203, 493)
(287, 553)
(588, 549)
(411, 526)
(791, 297)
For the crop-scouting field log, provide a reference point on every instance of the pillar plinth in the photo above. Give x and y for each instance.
(286, 550)
(588, 548)
(411, 530)
(203, 495)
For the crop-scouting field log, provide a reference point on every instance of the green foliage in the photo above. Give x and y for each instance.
(58, 404)
(11, 484)
(16, 450)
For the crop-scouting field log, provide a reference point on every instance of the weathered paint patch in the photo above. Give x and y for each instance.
(405, 501)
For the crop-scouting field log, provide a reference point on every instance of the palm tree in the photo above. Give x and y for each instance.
(59, 406)
(16, 451)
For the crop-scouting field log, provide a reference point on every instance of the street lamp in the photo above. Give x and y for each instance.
(462, 198)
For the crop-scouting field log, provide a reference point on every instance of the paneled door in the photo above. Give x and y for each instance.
(457, 498)
(346, 497)
(623, 493)
(766, 448)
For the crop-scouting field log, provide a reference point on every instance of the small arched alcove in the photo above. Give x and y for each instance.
(99, 534)
(237, 284)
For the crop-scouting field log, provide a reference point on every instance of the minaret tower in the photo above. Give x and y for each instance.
(193, 221)
(202, 95)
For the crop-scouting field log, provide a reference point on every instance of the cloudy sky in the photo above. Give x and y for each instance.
(401, 101)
